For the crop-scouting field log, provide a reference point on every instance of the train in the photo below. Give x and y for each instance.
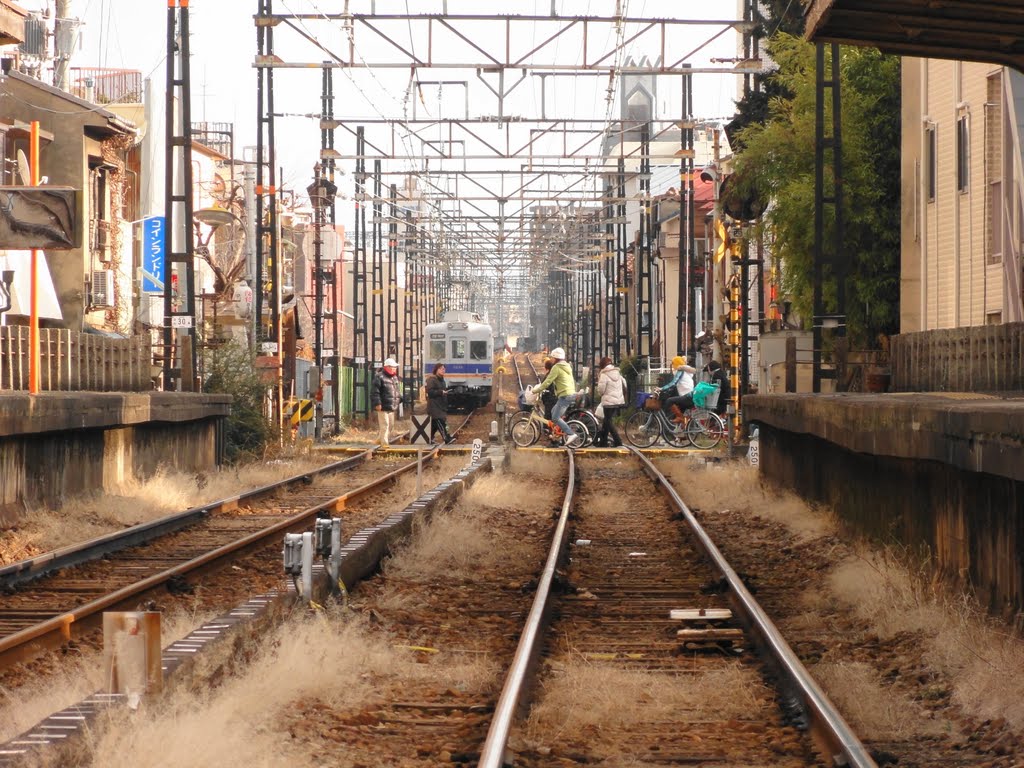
(464, 343)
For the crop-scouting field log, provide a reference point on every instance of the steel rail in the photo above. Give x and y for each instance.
(57, 630)
(525, 660)
(826, 724)
(93, 549)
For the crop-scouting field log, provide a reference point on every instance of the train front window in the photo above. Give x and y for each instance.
(436, 350)
(478, 350)
(458, 349)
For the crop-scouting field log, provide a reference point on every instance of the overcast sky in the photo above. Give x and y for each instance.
(131, 34)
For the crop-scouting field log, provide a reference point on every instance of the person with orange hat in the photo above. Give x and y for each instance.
(384, 397)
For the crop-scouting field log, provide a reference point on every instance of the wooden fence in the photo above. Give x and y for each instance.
(988, 358)
(72, 361)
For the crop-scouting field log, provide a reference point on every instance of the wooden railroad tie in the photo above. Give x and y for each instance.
(710, 634)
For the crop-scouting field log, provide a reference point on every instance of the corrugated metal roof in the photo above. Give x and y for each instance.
(969, 30)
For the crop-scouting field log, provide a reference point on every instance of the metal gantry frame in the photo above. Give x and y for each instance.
(828, 261)
(604, 293)
(179, 264)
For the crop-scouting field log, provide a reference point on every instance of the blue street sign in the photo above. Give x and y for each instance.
(153, 239)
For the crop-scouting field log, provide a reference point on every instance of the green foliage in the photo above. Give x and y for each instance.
(231, 370)
(778, 156)
(770, 17)
(632, 369)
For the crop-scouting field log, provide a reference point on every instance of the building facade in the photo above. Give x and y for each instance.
(962, 193)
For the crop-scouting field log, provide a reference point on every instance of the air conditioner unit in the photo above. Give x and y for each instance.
(103, 288)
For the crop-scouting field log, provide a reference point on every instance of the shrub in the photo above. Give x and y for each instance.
(231, 370)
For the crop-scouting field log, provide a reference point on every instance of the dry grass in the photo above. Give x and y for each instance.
(366, 433)
(333, 660)
(982, 659)
(498, 491)
(538, 464)
(78, 676)
(134, 502)
(873, 707)
(458, 544)
(713, 487)
(603, 704)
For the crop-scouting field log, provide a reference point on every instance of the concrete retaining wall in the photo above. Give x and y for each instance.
(56, 446)
(941, 475)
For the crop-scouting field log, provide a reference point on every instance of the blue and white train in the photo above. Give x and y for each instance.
(463, 342)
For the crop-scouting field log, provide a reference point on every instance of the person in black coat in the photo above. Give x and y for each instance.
(721, 378)
(437, 403)
(384, 397)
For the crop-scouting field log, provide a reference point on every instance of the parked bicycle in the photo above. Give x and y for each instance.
(527, 431)
(701, 428)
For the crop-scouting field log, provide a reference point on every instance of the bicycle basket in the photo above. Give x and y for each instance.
(527, 397)
(711, 398)
(652, 403)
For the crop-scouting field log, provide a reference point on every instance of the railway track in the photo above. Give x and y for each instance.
(57, 597)
(658, 653)
(615, 646)
(641, 646)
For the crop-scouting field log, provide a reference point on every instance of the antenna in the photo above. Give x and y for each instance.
(24, 172)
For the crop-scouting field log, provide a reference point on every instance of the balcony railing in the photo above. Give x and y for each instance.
(122, 86)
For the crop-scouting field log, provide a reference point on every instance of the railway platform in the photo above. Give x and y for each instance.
(940, 473)
(56, 444)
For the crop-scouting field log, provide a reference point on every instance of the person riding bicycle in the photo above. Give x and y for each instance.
(681, 384)
(696, 398)
(565, 388)
(548, 397)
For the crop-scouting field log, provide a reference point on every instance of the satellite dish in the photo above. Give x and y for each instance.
(24, 172)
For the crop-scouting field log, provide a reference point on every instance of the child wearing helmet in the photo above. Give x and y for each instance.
(565, 389)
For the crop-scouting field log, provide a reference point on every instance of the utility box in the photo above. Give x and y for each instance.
(772, 361)
(38, 217)
(131, 653)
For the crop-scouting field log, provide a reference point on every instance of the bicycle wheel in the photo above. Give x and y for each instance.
(706, 429)
(678, 435)
(642, 429)
(589, 421)
(517, 417)
(525, 433)
(580, 430)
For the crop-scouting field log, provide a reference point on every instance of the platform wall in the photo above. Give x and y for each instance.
(970, 524)
(86, 443)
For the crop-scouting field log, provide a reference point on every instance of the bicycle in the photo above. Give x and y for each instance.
(526, 432)
(645, 426)
(702, 428)
(576, 412)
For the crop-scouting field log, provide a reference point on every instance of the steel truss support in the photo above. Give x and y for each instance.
(645, 312)
(332, 277)
(179, 337)
(411, 328)
(690, 273)
(360, 341)
(829, 261)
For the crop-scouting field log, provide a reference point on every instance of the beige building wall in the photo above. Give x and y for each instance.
(959, 191)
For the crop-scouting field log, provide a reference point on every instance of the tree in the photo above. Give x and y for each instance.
(778, 158)
(231, 370)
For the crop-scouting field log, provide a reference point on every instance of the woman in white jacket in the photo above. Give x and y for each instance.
(611, 388)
